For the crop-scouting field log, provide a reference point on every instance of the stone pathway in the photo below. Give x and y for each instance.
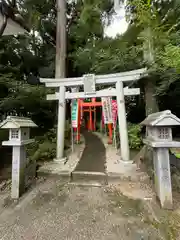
(94, 155)
(56, 210)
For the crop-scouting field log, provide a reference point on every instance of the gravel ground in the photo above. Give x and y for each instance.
(53, 210)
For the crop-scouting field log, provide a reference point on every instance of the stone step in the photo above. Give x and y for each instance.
(54, 173)
(89, 178)
(135, 177)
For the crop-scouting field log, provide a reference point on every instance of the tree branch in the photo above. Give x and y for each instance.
(73, 14)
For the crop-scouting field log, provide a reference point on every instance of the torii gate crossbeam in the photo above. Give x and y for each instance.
(100, 79)
(102, 93)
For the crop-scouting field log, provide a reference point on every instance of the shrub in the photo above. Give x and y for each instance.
(44, 147)
(46, 151)
(134, 134)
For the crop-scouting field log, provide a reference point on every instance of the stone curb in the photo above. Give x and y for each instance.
(58, 175)
(57, 172)
(113, 177)
(89, 178)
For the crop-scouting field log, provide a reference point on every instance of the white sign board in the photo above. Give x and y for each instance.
(107, 109)
(89, 84)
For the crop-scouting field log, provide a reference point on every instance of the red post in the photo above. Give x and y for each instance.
(110, 133)
(90, 118)
(94, 123)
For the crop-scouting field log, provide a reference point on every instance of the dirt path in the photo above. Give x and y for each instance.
(94, 156)
(54, 211)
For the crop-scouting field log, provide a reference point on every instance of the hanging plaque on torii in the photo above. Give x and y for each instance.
(89, 84)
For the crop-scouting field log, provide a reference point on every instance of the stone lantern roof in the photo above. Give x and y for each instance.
(17, 122)
(164, 118)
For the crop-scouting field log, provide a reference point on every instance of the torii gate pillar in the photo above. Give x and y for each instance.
(61, 126)
(123, 132)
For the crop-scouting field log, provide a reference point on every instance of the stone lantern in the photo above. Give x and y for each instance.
(159, 137)
(19, 137)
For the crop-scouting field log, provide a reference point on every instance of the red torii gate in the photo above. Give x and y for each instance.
(91, 124)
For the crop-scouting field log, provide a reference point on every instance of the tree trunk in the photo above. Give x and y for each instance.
(150, 97)
(149, 84)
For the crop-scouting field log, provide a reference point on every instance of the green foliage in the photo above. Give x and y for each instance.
(44, 147)
(159, 39)
(134, 136)
(46, 151)
(158, 25)
(135, 140)
(171, 57)
(108, 55)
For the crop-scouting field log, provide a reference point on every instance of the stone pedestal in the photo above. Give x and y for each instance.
(162, 176)
(18, 171)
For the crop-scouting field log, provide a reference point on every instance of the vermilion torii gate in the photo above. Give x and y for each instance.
(89, 82)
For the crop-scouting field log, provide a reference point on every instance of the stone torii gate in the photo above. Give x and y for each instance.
(108, 92)
(89, 82)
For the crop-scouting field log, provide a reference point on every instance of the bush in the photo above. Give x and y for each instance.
(46, 151)
(134, 134)
(44, 147)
